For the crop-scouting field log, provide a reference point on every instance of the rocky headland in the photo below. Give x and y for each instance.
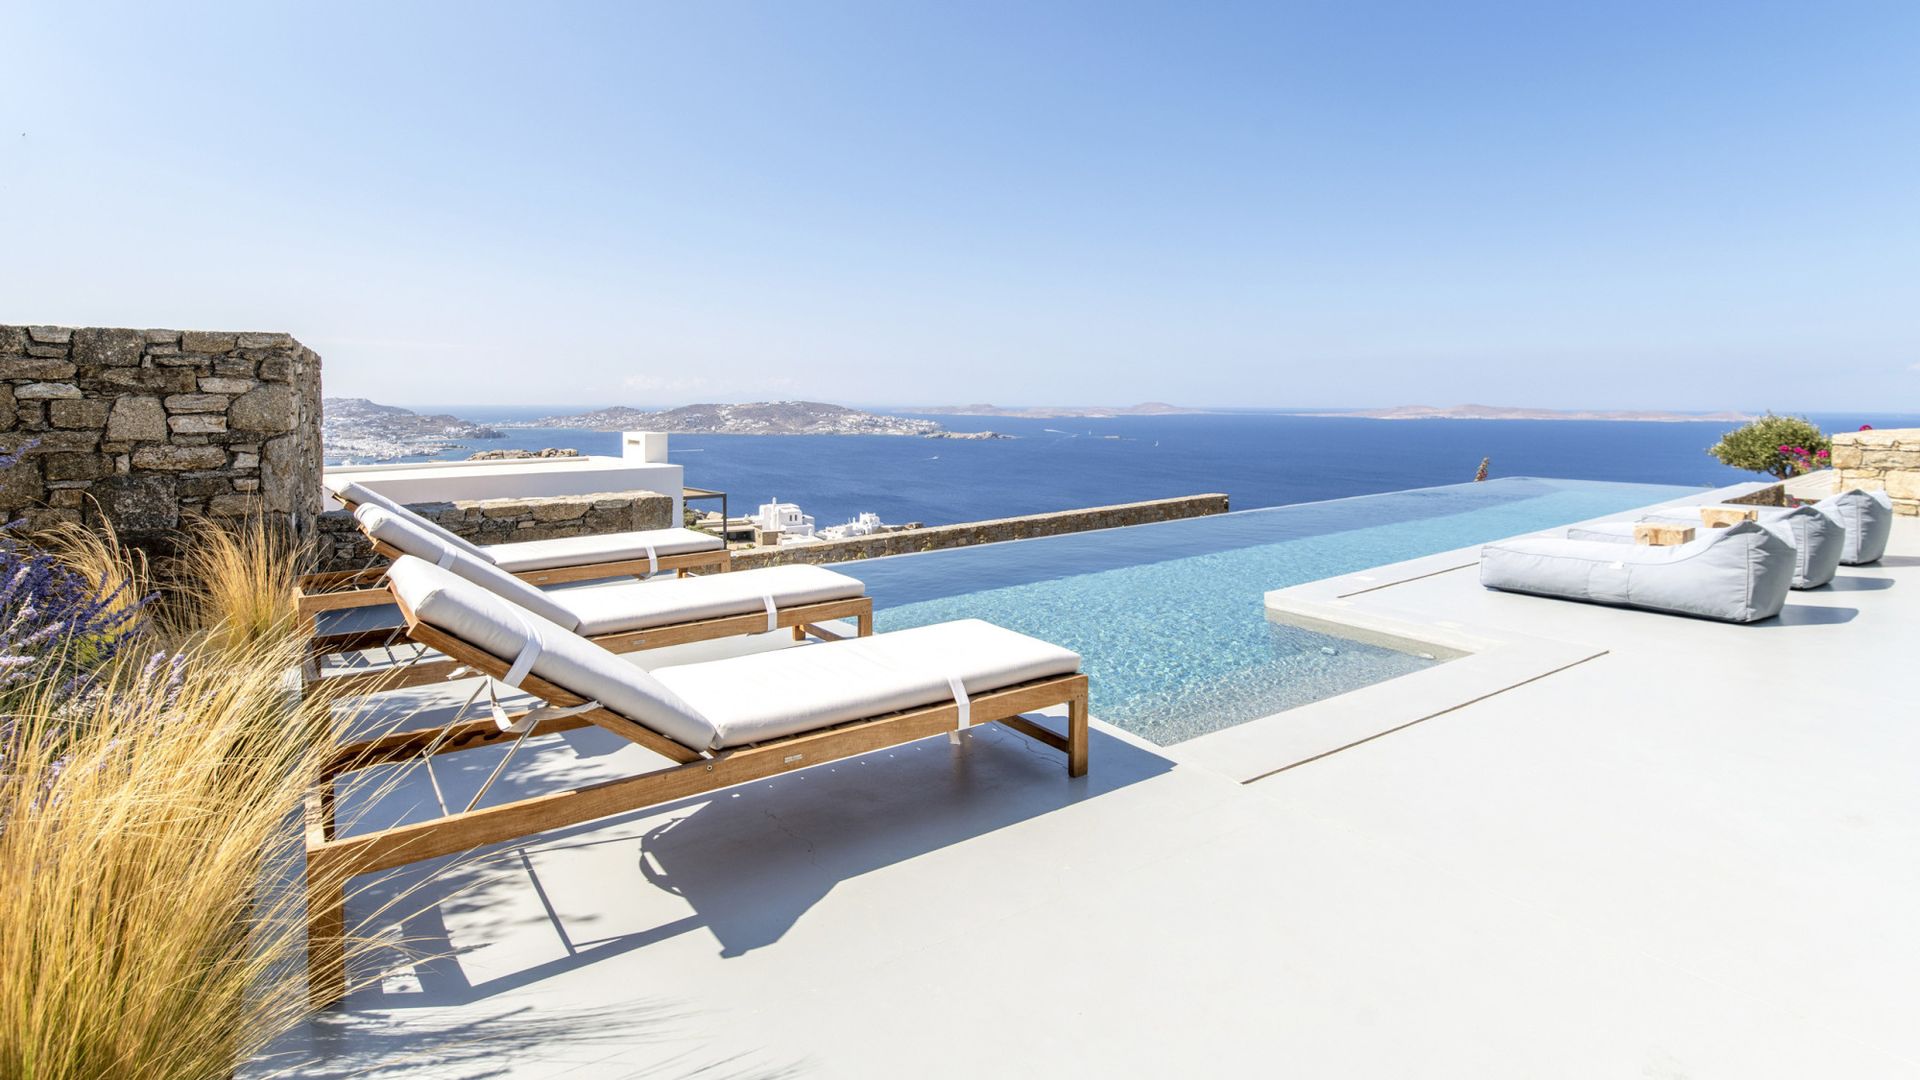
(1504, 412)
(1055, 412)
(752, 418)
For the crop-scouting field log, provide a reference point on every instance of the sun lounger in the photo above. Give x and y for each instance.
(621, 616)
(1738, 574)
(1868, 518)
(1817, 539)
(718, 723)
(571, 558)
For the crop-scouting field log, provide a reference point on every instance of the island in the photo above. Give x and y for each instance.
(358, 430)
(1505, 412)
(753, 418)
(1055, 412)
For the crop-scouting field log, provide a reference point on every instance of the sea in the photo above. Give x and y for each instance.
(1256, 458)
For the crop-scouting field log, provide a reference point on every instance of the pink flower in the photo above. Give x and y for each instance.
(1866, 427)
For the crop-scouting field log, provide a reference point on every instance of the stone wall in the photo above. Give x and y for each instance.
(1771, 495)
(1880, 461)
(341, 545)
(983, 532)
(140, 426)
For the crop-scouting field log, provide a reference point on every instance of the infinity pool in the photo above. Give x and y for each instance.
(1169, 618)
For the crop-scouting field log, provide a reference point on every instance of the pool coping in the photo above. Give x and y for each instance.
(1485, 660)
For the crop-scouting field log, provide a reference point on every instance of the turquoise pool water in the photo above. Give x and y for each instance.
(1169, 618)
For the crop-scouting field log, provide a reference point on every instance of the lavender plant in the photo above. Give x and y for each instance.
(56, 627)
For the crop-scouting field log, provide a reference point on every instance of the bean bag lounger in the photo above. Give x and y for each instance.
(1739, 574)
(1818, 539)
(1868, 518)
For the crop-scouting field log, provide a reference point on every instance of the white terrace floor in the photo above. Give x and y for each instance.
(1694, 853)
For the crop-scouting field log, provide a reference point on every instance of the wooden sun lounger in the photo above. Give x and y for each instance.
(332, 859)
(717, 561)
(361, 588)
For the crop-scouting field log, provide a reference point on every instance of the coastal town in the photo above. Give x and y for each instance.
(360, 431)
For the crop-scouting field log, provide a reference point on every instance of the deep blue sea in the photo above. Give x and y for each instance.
(1258, 459)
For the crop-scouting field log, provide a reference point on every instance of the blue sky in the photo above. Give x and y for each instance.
(1620, 205)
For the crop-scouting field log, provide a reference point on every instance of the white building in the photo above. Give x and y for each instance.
(785, 519)
(867, 524)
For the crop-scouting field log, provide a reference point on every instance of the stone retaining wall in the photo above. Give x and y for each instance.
(341, 546)
(1880, 461)
(137, 427)
(983, 532)
(1771, 495)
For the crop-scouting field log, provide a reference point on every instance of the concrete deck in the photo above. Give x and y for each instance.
(1688, 852)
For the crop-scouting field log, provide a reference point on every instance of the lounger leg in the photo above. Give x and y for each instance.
(865, 622)
(1077, 734)
(326, 934)
(800, 633)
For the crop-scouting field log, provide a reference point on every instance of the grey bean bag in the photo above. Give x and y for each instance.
(1739, 574)
(1868, 518)
(1817, 539)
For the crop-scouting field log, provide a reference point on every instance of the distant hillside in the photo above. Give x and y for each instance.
(753, 418)
(1050, 412)
(356, 429)
(1504, 412)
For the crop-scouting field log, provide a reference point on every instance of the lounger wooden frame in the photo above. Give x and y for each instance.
(332, 860)
(360, 588)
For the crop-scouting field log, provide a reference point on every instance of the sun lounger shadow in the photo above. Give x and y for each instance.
(1809, 615)
(744, 864)
(1846, 583)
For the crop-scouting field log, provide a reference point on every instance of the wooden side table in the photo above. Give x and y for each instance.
(1659, 535)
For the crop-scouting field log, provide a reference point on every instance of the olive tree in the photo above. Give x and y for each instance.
(1780, 446)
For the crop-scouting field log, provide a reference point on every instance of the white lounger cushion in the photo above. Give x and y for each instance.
(1868, 518)
(638, 605)
(404, 534)
(598, 548)
(1739, 574)
(629, 605)
(742, 699)
(527, 555)
(764, 696)
(447, 602)
(361, 495)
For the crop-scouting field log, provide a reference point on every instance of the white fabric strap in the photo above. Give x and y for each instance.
(773, 612)
(962, 705)
(523, 663)
(522, 666)
(445, 561)
(653, 561)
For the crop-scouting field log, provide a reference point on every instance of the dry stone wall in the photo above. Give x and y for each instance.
(503, 521)
(1880, 461)
(138, 427)
(984, 532)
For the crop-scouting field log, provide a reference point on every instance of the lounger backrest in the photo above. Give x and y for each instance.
(457, 607)
(361, 495)
(406, 536)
